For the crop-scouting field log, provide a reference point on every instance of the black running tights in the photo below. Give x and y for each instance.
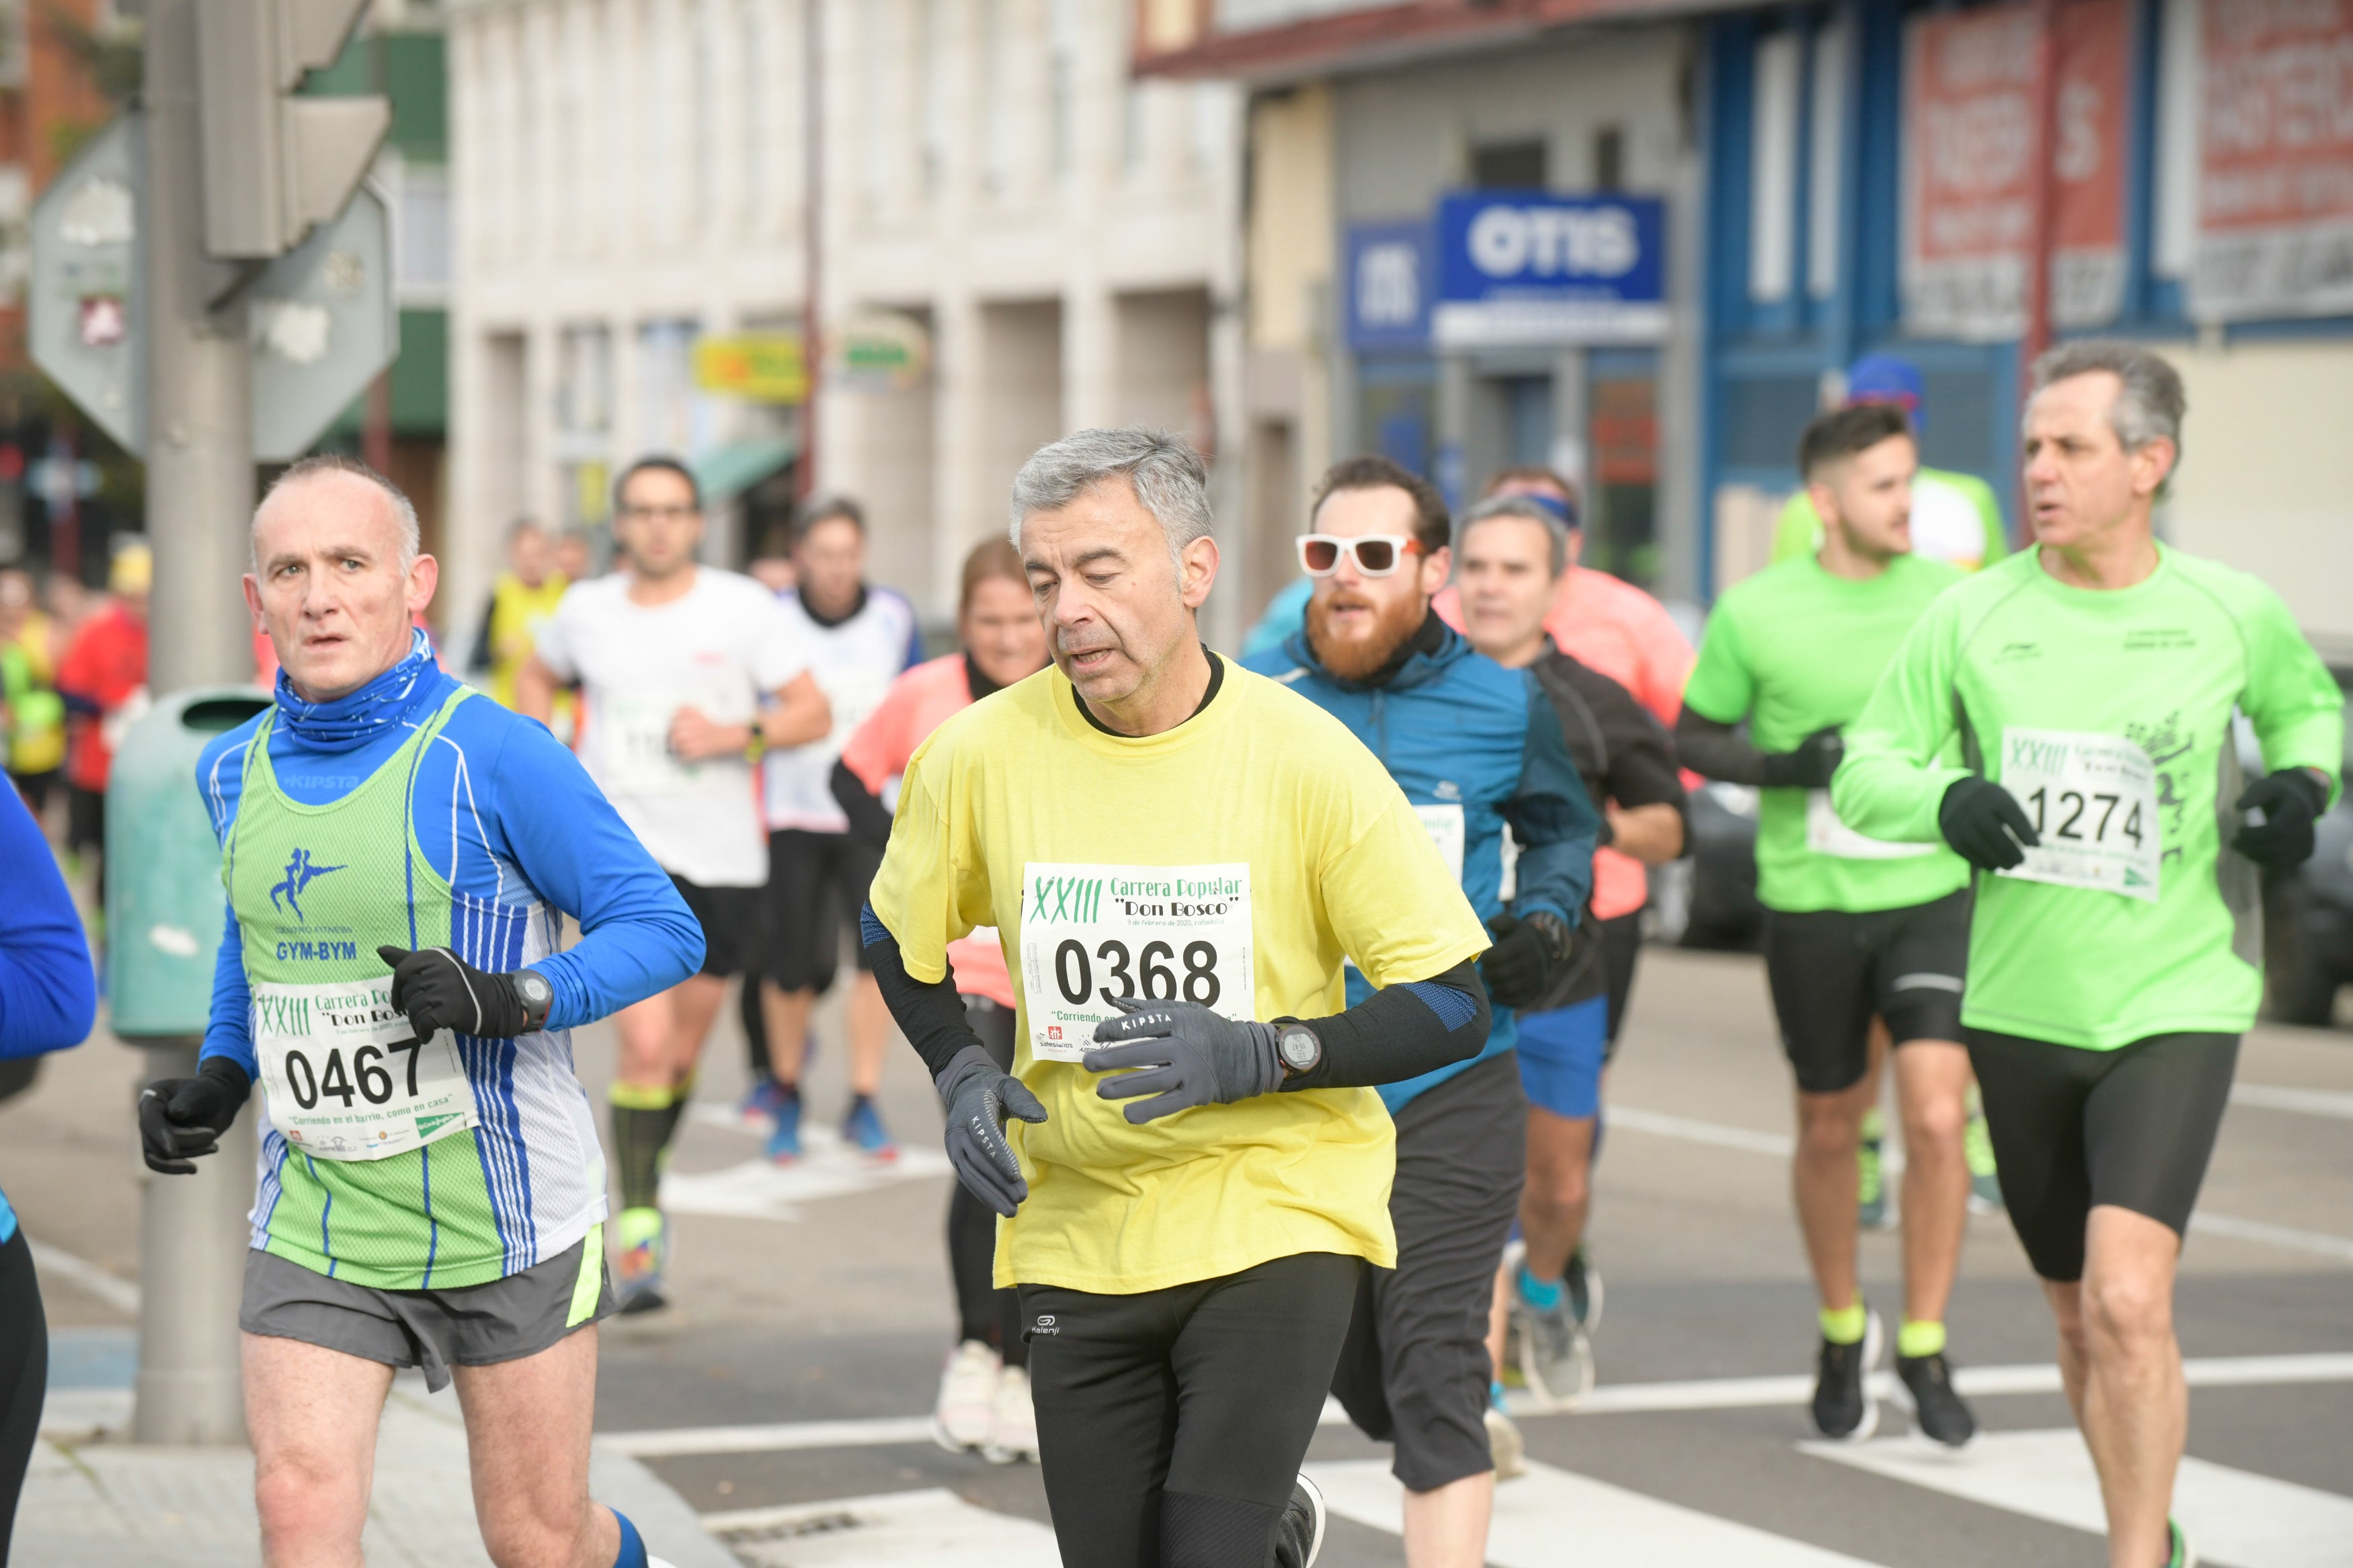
(23, 1374)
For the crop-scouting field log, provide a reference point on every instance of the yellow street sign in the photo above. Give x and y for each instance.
(759, 367)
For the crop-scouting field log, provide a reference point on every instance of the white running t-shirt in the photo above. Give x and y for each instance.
(721, 648)
(854, 661)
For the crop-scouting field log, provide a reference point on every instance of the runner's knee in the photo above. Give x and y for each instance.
(1934, 1127)
(2126, 1314)
(311, 1499)
(1828, 1125)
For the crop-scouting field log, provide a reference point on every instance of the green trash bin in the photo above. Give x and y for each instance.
(164, 901)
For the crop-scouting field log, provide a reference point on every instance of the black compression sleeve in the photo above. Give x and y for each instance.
(1402, 1032)
(868, 817)
(1717, 751)
(929, 1013)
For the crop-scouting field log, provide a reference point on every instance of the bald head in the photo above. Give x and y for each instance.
(337, 579)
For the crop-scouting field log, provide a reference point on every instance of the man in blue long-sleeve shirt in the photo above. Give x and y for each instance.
(1476, 748)
(47, 998)
(399, 854)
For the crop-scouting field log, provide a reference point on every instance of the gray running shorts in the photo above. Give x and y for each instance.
(476, 1325)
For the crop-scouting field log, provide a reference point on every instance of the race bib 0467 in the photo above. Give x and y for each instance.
(1158, 933)
(2092, 799)
(345, 1076)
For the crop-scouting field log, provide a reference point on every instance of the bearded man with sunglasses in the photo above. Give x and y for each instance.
(1475, 747)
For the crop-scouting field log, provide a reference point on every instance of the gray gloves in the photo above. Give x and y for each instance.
(979, 1096)
(1190, 1057)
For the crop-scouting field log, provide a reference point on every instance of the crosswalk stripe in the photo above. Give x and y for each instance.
(2232, 1517)
(931, 1528)
(2279, 1097)
(1549, 1516)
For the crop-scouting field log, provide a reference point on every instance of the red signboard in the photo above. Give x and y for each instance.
(1969, 161)
(2275, 187)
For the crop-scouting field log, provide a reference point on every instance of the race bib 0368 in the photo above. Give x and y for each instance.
(1158, 933)
(2092, 799)
(345, 1076)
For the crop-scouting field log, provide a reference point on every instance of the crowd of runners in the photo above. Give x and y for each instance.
(1270, 999)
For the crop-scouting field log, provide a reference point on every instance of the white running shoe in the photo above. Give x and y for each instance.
(1506, 1447)
(965, 1415)
(1015, 1435)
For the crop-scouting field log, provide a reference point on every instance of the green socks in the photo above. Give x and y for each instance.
(1914, 1341)
(1845, 1326)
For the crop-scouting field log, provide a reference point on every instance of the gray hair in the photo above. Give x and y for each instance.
(1167, 476)
(2150, 402)
(1554, 529)
(404, 510)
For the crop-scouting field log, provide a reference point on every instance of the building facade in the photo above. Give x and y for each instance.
(1040, 241)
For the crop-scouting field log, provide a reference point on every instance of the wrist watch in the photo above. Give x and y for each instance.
(538, 996)
(1297, 1047)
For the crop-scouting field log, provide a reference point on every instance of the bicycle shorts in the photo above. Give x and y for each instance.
(1831, 971)
(2074, 1129)
(473, 1325)
(1622, 947)
(817, 884)
(730, 918)
(1561, 1053)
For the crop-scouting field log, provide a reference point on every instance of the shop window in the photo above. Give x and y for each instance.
(1508, 165)
(1763, 416)
(1610, 158)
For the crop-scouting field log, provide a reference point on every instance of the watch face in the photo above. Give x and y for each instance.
(534, 987)
(1299, 1048)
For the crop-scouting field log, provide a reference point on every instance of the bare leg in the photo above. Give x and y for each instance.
(1499, 1323)
(1558, 1194)
(870, 1035)
(2136, 1407)
(527, 1437)
(647, 1029)
(312, 1414)
(787, 1013)
(1823, 1176)
(696, 1001)
(1447, 1526)
(1932, 1085)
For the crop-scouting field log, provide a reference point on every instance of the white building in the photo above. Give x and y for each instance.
(629, 175)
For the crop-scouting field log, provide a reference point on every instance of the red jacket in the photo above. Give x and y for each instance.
(105, 666)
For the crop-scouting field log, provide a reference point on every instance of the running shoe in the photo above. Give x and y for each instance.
(1506, 1447)
(1013, 1436)
(1843, 1407)
(785, 1138)
(862, 1129)
(2180, 1556)
(1977, 1146)
(1299, 1533)
(967, 1412)
(644, 1234)
(763, 1101)
(1937, 1410)
(1583, 1282)
(1556, 1356)
(1870, 1185)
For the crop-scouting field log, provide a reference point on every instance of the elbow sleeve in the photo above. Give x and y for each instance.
(1403, 1032)
(929, 1013)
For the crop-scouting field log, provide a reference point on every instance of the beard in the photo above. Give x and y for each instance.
(1354, 657)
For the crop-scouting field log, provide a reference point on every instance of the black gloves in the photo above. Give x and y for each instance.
(2289, 801)
(438, 990)
(1811, 765)
(181, 1118)
(1526, 957)
(1985, 824)
(1191, 1056)
(979, 1095)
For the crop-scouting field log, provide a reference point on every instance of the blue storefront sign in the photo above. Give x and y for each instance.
(1522, 268)
(1388, 286)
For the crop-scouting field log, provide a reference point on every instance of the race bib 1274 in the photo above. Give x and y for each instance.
(1158, 933)
(2093, 800)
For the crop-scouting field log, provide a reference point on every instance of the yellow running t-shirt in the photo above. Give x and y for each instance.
(1242, 854)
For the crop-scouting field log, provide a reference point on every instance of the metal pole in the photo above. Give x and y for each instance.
(199, 504)
(813, 232)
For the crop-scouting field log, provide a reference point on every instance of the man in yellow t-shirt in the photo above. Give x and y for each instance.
(522, 600)
(1176, 856)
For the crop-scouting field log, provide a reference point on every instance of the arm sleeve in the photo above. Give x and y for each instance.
(48, 992)
(2294, 703)
(1552, 817)
(1717, 751)
(869, 819)
(636, 935)
(228, 1025)
(1402, 1032)
(1893, 778)
(930, 1013)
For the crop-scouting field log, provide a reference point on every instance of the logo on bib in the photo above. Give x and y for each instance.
(427, 1125)
(300, 872)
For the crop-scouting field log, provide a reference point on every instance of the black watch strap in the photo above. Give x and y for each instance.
(538, 998)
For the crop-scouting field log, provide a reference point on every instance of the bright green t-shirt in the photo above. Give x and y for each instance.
(1794, 649)
(1956, 519)
(2108, 714)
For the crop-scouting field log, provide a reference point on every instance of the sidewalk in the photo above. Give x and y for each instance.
(92, 1500)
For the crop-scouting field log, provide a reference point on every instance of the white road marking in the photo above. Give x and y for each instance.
(755, 1189)
(2231, 1517)
(1781, 1145)
(1550, 1516)
(932, 1527)
(1610, 1399)
(89, 1278)
(2279, 1097)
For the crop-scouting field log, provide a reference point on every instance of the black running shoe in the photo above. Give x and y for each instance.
(1936, 1411)
(1584, 1284)
(1843, 1407)
(1299, 1533)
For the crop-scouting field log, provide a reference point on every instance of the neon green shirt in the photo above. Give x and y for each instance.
(2023, 670)
(1956, 519)
(1795, 649)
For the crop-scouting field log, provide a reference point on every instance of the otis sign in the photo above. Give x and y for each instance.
(1527, 266)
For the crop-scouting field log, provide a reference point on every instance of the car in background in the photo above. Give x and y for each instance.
(2308, 914)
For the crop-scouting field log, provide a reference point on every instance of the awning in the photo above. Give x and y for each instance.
(728, 471)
